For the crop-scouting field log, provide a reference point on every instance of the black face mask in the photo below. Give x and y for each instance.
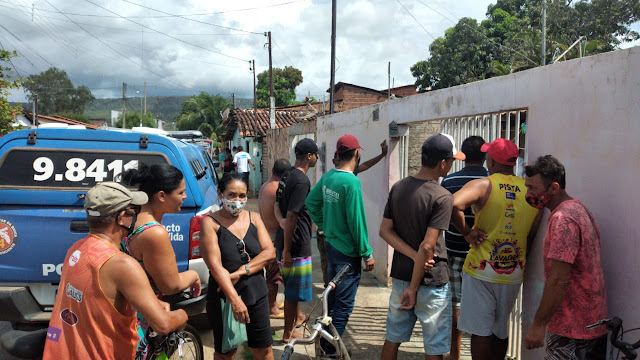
(132, 226)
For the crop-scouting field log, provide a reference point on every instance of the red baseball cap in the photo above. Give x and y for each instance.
(502, 151)
(349, 142)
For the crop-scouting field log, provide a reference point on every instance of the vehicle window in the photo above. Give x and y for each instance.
(212, 169)
(29, 168)
(197, 168)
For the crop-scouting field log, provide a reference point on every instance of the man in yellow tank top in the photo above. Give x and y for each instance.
(504, 227)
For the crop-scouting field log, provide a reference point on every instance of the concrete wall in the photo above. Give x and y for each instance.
(375, 182)
(418, 133)
(584, 112)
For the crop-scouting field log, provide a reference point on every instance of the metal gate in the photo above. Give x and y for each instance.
(510, 125)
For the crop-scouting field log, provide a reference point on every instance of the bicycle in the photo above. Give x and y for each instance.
(185, 344)
(614, 325)
(322, 322)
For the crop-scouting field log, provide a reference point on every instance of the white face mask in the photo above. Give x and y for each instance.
(233, 206)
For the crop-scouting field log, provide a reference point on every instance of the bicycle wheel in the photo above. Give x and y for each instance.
(191, 346)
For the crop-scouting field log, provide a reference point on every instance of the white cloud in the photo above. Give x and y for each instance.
(370, 34)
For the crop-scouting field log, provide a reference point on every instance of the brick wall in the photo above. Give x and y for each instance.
(418, 133)
(355, 98)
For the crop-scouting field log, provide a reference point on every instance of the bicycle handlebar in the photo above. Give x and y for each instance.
(288, 350)
(614, 325)
(627, 349)
(336, 280)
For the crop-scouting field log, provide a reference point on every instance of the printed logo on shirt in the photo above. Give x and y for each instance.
(53, 333)
(330, 195)
(504, 259)
(510, 195)
(73, 293)
(509, 187)
(69, 317)
(74, 258)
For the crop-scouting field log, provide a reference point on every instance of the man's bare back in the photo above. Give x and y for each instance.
(266, 199)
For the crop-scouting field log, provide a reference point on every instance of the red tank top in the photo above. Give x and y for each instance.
(84, 324)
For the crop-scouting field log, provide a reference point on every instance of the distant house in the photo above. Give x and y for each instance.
(26, 121)
(293, 123)
(253, 132)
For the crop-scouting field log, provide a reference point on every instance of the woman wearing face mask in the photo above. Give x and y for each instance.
(236, 246)
(148, 240)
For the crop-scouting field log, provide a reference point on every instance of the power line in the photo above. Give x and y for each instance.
(194, 20)
(27, 46)
(173, 15)
(479, 33)
(291, 62)
(414, 18)
(116, 51)
(19, 52)
(177, 57)
(173, 37)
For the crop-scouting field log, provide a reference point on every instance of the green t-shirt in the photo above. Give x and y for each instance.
(336, 206)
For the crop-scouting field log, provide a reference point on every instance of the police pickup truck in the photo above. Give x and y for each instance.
(44, 177)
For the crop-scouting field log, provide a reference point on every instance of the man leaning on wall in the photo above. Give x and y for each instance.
(574, 294)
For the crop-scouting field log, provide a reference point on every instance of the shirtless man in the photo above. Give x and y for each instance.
(266, 199)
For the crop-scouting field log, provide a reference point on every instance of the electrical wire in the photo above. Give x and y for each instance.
(291, 62)
(414, 18)
(176, 15)
(194, 20)
(160, 32)
(119, 53)
(11, 62)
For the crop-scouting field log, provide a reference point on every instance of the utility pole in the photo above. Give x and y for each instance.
(32, 10)
(272, 99)
(333, 53)
(35, 110)
(145, 98)
(544, 30)
(389, 81)
(233, 99)
(124, 104)
(255, 100)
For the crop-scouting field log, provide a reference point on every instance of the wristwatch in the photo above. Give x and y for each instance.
(246, 267)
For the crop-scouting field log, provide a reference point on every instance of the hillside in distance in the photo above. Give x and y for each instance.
(163, 107)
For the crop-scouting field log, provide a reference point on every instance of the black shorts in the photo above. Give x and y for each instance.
(258, 330)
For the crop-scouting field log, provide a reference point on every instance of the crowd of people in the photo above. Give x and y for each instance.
(460, 250)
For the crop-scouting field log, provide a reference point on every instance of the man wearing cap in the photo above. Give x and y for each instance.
(417, 211)
(293, 237)
(505, 225)
(335, 204)
(101, 288)
(457, 246)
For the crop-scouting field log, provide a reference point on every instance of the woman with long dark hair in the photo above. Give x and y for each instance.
(149, 242)
(236, 246)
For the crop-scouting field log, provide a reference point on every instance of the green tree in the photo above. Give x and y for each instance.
(134, 119)
(459, 57)
(7, 83)
(285, 82)
(56, 93)
(510, 38)
(204, 113)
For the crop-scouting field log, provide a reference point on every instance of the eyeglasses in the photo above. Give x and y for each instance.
(136, 210)
(244, 256)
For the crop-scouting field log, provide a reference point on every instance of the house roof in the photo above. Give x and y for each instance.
(249, 124)
(399, 91)
(59, 119)
(342, 84)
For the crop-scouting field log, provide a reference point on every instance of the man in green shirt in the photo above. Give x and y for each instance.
(336, 205)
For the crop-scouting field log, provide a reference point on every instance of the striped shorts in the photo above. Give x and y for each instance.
(298, 285)
(564, 348)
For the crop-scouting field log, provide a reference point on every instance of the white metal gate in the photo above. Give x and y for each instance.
(509, 125)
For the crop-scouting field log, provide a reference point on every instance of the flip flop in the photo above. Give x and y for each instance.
(279, 316)
(281, 306)
(306, 320)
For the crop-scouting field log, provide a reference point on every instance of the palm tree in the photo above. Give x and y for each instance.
(203, 112)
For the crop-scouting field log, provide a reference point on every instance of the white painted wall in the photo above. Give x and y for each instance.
(375, 183)
(584, 111)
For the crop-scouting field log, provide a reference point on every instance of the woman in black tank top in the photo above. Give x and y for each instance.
(236, 246)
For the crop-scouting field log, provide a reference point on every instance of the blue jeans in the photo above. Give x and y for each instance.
(341, 299)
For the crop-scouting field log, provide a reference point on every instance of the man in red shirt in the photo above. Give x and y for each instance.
(574, 293)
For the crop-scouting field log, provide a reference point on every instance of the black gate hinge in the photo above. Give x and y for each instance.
(144, 141)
